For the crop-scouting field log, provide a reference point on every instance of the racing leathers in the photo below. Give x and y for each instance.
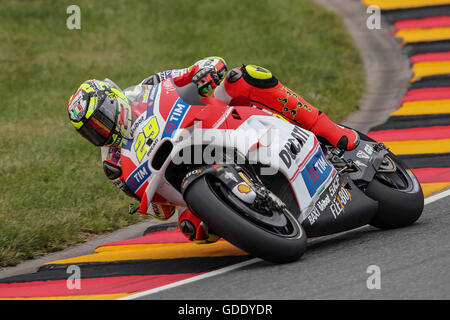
(245, 85)
(254, 85)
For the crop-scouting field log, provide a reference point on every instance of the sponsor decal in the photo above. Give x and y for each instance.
(340, 199)
(292, 147)
(138, 177)
(334, 186)
(316, 172)
(174, 120)
(189, 174)
(313, 216)
(333, 201)
(152, 144)
(323, 203)
(362, 155)
(161, 76)
(368, 149)
(243, 188)
(167, 74)
(359, 163)
(230, 176)
(125, 119)
(78, 106)
(77, 112)
(127, 144)
(136, 124)
(151, 99)
(163, 211)
(179, 72)
(197, 171)
(168, 86)
(145, 95)
(113, 154)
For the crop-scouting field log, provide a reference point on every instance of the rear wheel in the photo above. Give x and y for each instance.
(274, 235)
(398, 193)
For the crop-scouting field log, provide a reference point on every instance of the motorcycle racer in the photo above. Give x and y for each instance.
(101, 113)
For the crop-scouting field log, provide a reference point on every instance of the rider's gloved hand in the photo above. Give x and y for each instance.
(208, 74)
(194, 229)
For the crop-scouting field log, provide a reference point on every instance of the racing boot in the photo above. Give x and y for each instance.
(256, 85)
(195, 229)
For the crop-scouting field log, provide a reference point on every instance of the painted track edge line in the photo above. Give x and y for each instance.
(430, 199)
(437, 196)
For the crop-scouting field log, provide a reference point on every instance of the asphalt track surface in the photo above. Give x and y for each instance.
(413, 264)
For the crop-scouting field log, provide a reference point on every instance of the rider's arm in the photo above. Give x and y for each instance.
(196, 72)
(113, 169)
(181, 77)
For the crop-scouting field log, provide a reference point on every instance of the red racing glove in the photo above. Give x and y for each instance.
(208, 73)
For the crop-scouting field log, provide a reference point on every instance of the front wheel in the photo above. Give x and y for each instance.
(273, 236)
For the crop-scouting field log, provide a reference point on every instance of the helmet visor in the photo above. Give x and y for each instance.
(101, 125)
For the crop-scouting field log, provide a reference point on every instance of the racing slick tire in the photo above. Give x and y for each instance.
(209, 200)
(399, 195)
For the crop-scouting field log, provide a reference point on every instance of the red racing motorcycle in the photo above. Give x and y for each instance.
(259, 181)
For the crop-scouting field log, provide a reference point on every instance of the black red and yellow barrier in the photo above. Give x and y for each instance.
(419, 130)
(118, 269)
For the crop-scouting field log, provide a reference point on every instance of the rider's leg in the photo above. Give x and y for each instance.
(256, 85)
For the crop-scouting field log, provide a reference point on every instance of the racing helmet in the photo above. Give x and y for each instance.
(94, 110)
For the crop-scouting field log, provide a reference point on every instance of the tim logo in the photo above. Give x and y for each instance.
(313, 175)
(175, 117)
(316, 171)
(138, 177)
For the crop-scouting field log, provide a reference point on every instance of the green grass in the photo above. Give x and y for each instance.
(53, 190)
